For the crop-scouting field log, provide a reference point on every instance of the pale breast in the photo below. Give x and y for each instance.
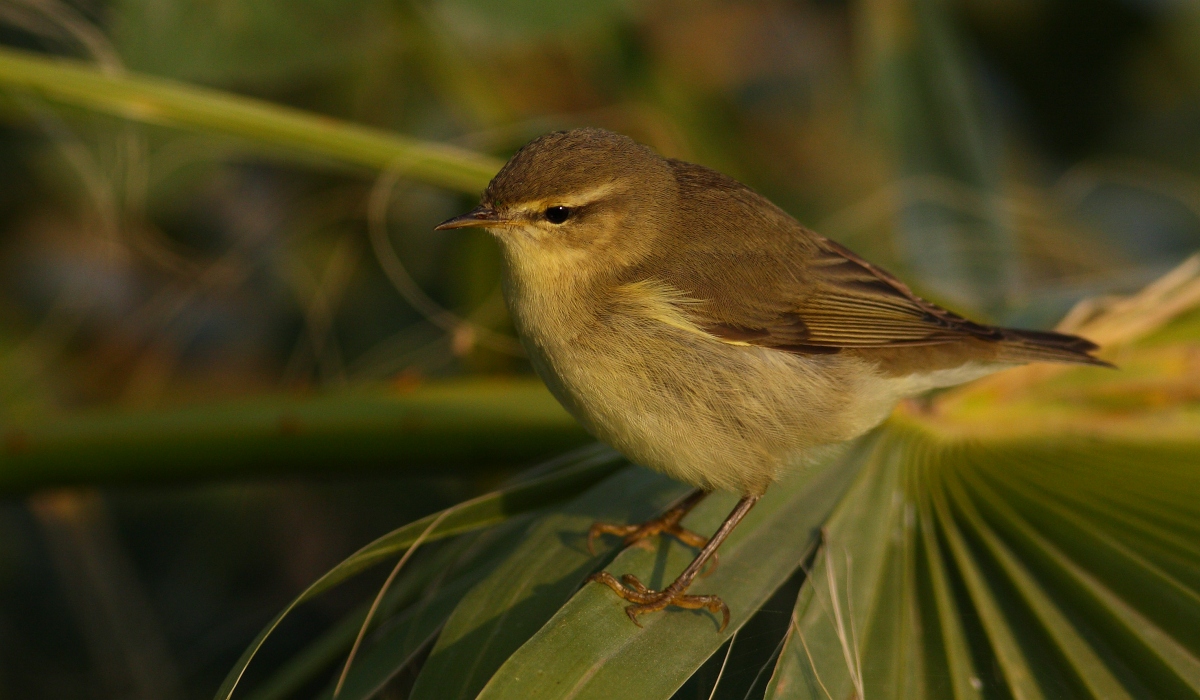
(704, 411)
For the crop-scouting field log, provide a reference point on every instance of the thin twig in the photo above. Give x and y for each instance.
(438, 315)
(720, 673)
(774, 655)
(840, 626)
(853, 628)
(362, 631)
(804, 643)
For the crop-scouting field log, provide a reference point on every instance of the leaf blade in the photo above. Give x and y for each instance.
(589, 647)
(489, 509)
(165, 102)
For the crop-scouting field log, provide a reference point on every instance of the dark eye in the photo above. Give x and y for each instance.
(557, 215)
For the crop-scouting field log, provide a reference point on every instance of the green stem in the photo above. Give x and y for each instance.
(168, 103)
(433, 428)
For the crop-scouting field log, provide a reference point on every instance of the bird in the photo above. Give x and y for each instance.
(701, 331)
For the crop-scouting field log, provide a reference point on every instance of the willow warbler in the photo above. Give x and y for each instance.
(703, 332)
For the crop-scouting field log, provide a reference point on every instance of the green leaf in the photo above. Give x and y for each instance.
(591, 465)
(407, 634)
(463, 424)
(516, 599)
(167, 103)
(1013, 657)
(408, 617)
(823, 653)
(1079, 655)
(589, 649)
(1123, 634)
(423, 576)
(951, 629)
(750, 654)
(950, 558)
(1171, 602)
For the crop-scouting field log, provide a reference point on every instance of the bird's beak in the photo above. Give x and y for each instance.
(481, 216)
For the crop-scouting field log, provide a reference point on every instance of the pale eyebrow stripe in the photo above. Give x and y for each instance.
(575, 200)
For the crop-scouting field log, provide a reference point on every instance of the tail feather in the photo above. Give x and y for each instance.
(1048, 346)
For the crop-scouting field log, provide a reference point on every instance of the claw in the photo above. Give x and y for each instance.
(639, 535)
(691, 539)
(633, 582)
(646, 600)
(666, 524)
(598, 529)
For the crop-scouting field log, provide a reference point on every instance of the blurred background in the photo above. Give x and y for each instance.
(1006, 159)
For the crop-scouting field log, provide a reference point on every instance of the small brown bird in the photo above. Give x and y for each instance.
(700, 330)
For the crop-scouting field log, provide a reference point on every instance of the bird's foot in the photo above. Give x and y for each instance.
(646, 601)
(638, 534)
(665, 524)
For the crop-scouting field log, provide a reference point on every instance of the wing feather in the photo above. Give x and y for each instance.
(839, 301)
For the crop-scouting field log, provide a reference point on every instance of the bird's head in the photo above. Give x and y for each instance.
(576, 201)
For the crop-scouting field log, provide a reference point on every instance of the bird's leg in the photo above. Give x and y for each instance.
(667, 523)
(645, 600)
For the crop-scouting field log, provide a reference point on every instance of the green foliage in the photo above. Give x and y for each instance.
(158, 101)
(951, 227)
(589, 649)
(458, 426)
(579, 472)
(253, 43)
(983, 580)
(516, 19)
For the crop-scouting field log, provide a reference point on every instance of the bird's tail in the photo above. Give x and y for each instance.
(1048, 346)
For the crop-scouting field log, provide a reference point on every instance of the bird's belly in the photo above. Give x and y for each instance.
(708, 413)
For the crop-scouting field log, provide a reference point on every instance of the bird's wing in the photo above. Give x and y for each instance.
(758, 277)
(830, 300)
(741, 270)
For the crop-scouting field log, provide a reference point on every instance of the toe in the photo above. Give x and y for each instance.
(691, 539)
(634, 583)
(608, 580)
(598, 529)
